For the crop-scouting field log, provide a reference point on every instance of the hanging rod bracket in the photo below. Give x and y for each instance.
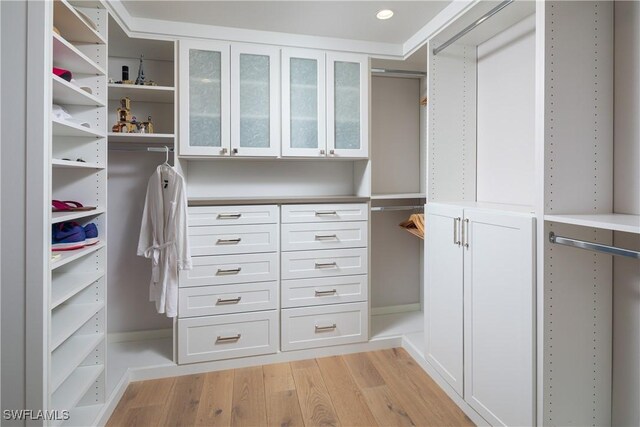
(470, 27)
(590, 246)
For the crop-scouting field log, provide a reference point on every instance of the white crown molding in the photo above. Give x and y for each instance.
(432, 27)
(170, 30)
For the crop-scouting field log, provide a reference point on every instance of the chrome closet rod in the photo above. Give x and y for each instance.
(479, 21)
(395, 208)
(590, 246)
(398, 72)
(151, 149)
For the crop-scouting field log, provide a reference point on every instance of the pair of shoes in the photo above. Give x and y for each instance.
(67, 236)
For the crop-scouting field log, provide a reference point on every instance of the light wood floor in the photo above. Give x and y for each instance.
(385, 388)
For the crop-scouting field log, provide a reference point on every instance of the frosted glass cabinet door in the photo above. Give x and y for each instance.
(255, 100)
(303, 103)
(347, 105)
(204, 98)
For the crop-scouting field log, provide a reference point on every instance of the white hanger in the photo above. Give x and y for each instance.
(166, 156)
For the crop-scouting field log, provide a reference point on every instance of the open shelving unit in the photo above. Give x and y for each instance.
(77, 281)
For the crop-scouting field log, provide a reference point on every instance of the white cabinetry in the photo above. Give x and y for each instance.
(228, 302)
(255, 100)
(479, 301)
(347, 105)
(304, 119)
(314, 282)
(235, 101)
(443, 298)
(204, 98)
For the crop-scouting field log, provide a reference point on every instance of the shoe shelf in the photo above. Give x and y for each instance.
(72, 164)
(57, 217)
(66, 93)
(68, 318)
(144, 138)
(70, 355)
(69, 57)
(75, 333)
(68, 256)
(612, 221)
(65, 128)
(69, 22)
(138, 93)
(66, 284)
(75, 387)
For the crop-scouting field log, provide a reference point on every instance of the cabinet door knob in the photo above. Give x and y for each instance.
(332, 152)
(322, 152)
(223, 151)
(235, 151)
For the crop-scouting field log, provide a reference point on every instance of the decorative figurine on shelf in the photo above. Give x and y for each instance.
(128, 123)
(140, 78)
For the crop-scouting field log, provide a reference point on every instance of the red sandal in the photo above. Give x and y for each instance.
(69, 206)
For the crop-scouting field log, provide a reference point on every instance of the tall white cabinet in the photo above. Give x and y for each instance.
(479, 308)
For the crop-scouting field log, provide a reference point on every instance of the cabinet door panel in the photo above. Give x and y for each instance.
(303, 103)
(499, 316)
(443, 296)
(347, 105)
(204, 98)
(255, 100)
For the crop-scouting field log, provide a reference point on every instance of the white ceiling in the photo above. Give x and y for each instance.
(354, 20)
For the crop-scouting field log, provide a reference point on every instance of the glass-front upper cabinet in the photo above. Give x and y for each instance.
(204, 98)
(303, 103)
(347, 105)
(255, 100)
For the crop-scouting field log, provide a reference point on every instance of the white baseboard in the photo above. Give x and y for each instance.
(391, 309)
(151, 334)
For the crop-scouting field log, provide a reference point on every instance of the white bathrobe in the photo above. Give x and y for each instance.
(163, 236)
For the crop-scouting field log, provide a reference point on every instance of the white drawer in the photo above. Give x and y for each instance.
(229, 269)
(334, 262)
(324, 290)
(324, 326)
(201, 339)
(233, 239)
(325, 213)
(226, 299)
(232, 215)
(331, 235)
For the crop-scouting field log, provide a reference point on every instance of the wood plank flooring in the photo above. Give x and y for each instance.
(380, 388)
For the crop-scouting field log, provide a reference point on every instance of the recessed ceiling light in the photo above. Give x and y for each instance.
(384, 14)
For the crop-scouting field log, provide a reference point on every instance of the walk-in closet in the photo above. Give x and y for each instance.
(320, 213)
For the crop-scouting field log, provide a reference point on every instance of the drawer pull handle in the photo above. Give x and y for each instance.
(229, 300)
(326, 213)
(229, 215)
(326, 236)
(326, 293)
(229, 270)
(234, 338)
(325, 328)
(228, 241)
(326, 265)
